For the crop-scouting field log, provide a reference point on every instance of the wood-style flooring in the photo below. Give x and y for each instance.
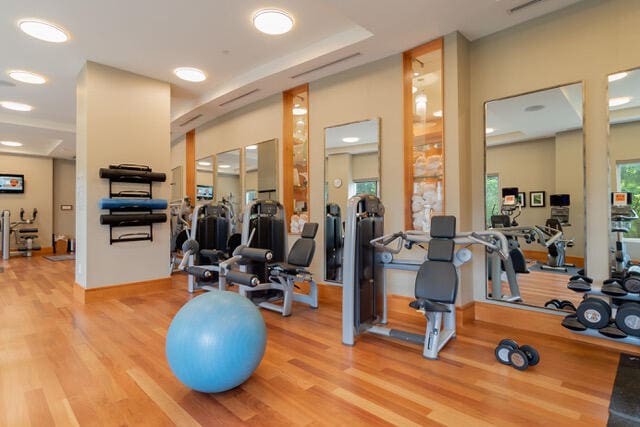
(64, 363)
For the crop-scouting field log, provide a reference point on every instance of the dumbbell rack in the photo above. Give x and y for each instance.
(596, 291)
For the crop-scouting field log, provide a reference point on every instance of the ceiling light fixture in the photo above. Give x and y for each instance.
(616, 102)
(45, 31)
(272, 21)
(489, 130)
(27, 77)
(11, 143)
(190, 74)
(437, 113)
(15, 106)
(617, 76)
(252, 147)
(299, 111)
(351, 139)
(416, 74)
(204, 163)
(224, 166)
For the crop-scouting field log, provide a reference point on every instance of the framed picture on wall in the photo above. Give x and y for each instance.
(522, 199)
(537, 199)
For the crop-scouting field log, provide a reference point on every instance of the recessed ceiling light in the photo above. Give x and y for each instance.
(437, 113)
(416, 74)
(15, 106)
(45, 31)
(252, 147)
(11, 143)
(300, 122)
(490, 130)
(224, 166)
(532, 108)
(27, 77)
(617, 76)
(616, 102)
(351, 139)
(272, 21)
(299, 111)
(204, 163)
(190, 74)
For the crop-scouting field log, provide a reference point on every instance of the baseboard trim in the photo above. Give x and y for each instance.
(540, 322)
(466, 314)
(86, 296)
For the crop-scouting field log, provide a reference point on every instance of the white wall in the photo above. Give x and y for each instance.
(585, 42)
(38, 179)
(108, 134)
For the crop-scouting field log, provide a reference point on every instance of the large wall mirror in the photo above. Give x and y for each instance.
(261, 171)
(624, 155)
(352, 166)
(204, 179)
(535, 194)
(228, 187)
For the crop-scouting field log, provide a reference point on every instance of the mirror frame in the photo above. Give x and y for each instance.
(523, 304)
(325, 182)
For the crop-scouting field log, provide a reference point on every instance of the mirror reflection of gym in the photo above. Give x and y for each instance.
(535, 193)
(228, 185)
(261, 175)
(352, 166)
(204, 179)
(624, 157)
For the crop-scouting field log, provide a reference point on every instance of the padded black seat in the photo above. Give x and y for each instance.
(437, 279)
(301, 253)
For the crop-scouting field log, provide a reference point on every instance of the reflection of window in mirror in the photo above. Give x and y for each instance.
(624, 154)
(534, 146)
(424, 136)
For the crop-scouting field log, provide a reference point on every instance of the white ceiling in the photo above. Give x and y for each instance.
(368, 132)
(628, 86)
(562, 111)
(152, 37)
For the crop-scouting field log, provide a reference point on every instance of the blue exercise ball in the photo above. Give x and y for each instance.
(216, 341)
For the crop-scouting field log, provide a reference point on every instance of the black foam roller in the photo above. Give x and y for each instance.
(255, 254)
(241, 278)
(132, 219)
(130, 174)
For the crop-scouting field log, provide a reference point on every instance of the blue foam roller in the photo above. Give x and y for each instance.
(133, 203)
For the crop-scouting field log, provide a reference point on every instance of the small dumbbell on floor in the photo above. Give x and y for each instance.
(520, 357)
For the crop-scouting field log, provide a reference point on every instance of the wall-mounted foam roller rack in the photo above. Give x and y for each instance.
(611, 331)
(133, 207)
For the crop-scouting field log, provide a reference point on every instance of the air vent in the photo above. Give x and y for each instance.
(238, 97)
(190, 120)
(346, 58)
(4, 83)
(524, 5)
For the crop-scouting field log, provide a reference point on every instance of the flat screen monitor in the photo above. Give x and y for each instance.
(204, 192)
(11, 183)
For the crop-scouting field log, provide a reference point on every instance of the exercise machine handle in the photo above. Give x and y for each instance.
(200, 273)
(241, 278)
(384, 241)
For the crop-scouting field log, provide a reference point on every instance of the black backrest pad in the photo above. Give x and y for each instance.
(441, 250)
(443, 226)
(302, 251)
(437, 281)
(212, 233)
(309, 230)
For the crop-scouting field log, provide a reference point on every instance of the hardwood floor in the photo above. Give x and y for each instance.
(64, 363)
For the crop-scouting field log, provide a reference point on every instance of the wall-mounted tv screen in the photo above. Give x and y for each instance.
(11, 183)
(204, 192)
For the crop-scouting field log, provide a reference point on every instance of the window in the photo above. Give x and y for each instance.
(492, 204)
(366, 187)
(249, 196)
(629, 181)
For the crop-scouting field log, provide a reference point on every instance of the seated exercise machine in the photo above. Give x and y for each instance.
(179, 223)
(622, 218)
(368, 253)
(25, 238)
(211, 228)
(334, 242)
(559, 218)
(265, 230)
